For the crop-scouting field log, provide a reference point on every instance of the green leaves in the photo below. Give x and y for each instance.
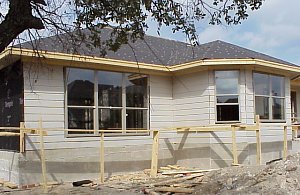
(128, 18)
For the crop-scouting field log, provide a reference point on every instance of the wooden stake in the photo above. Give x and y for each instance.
(258, 141)
(102, 158)
(258, 147)
(234, 147)
(155, 148)
(294, 132)
(42, 154)
(285, 147)
(257, 121)
(22, 137)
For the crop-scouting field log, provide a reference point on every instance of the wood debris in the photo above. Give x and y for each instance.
(177, 167)
(171, 167)
(236, 164)
(10, 185)
(187, 172)
(177, 180)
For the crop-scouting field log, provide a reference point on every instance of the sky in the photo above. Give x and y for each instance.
(273, 30)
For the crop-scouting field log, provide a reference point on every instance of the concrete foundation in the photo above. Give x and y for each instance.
(77, 164)
(9, 166)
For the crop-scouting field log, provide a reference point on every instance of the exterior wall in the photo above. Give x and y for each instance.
(193, 99)
(184, 100)
(161, 102)
(194, 105)
(44, 99)
(73, 158)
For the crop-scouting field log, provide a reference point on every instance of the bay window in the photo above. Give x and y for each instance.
(269, 96)
(227, 95)
(106, 100)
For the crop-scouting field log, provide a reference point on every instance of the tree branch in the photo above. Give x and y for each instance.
(18, 19)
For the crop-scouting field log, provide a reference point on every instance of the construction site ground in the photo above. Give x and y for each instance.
(278, 177)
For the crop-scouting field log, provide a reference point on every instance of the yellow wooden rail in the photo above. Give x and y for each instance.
(155, 147)
(233, 128)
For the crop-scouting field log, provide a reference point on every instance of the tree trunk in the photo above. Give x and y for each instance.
(18, 19)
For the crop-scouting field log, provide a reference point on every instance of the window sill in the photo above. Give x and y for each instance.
(272, 121)
(227, 122)
(118, 134)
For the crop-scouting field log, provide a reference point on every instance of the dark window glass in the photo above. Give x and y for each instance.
(136, 119)
(228, 112)
(110, 102)
(136, 90)
(227, 99)
(277, 84)
(80, 118)
(261, 84)
(278, 108)
(80, 87)
(110, 89)
(226, 82)
(110, 119)
(262, 107)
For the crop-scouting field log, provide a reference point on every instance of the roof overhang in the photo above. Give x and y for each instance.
(11, 55)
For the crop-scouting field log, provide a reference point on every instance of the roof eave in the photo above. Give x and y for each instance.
(256, 64)
(71, 60)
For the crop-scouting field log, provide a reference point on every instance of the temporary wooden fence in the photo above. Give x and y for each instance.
(233, 128)
(210, 128)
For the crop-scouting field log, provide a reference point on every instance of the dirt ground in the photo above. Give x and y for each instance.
(276, 178)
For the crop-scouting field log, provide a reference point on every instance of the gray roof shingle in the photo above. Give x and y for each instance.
(154, 50)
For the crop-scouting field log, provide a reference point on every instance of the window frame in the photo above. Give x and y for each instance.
(93, 107)
(220, 104)
(96, 106)
(270, 97)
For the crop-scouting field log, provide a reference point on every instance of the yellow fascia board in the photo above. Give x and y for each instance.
(286, 67)
(56, 58)
(5, 53)
(27, 54)
(220, 62)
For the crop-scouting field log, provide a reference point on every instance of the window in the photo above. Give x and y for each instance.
(136, 101)
(110, 100)
(227, 97)
(106, 100)
(80, 98)
(269, 96)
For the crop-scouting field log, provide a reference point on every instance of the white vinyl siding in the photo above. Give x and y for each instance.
(184, 100)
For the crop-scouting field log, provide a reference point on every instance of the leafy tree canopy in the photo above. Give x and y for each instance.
(128, 19)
